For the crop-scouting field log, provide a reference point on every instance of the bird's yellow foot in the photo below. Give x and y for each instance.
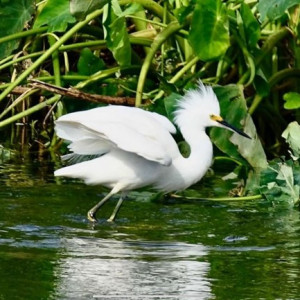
(91, 216)
(110, 220)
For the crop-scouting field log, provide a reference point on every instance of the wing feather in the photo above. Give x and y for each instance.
(99, 130)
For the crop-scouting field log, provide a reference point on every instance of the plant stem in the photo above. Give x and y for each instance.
(277, 77)
(99, 44)
(149, 5)
(268, 46)
(147, 21)
(182, 32)
(229, 159)
(285, 73)
(256, 101)
(55, 61)
(17, 101)
(271, 42)
(22, 34)
(97, 76)
(244, 198)
(178, 75)
(30, 110)
(49, 52)
(158, 41)
(14, 61)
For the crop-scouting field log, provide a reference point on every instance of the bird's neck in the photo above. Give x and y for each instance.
(200, 158)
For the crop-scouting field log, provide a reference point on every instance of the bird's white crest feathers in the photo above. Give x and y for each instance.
(196, 102)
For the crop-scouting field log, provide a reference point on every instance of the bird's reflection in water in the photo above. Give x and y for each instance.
(110, 269)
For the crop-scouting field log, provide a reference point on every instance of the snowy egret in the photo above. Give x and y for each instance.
(133, 148)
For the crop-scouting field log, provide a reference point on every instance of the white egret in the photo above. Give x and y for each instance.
(134, 148)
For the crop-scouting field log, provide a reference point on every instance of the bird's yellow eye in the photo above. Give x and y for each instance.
(216, 118)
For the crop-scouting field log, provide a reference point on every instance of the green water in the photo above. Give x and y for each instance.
(171, 249)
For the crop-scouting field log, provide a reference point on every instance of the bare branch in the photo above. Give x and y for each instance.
(74, 93)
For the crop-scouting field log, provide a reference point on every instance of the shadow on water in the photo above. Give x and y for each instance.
(171, 249)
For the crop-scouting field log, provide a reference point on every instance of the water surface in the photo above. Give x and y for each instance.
(157, 249)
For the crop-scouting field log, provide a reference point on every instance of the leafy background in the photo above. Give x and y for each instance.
(153, 51)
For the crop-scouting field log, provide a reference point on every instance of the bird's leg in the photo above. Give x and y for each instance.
(117, 208)
(92, 212)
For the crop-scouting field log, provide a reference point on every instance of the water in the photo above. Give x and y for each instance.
(163, 249)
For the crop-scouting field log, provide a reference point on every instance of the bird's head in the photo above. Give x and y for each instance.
(200, 108)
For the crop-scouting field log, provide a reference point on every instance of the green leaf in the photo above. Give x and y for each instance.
(116, 8)
(251, 26)
(116, 34)
(234, 110)
(252, 186)
(170, 103)
(261, 83)
(182, 12)
(277, 183)
(276, 194)
(292, 100)
(14, 15)
(209, 34)
(296, 171)
(292, 136)
(56, 15)
(88, 63)
(274, 9)
(251, 150)
(286, 175)
(79, 9)
(130, 10)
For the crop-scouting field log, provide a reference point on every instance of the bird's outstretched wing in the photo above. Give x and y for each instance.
(98, 131)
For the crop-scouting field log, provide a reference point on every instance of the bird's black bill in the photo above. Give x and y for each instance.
(223, 122)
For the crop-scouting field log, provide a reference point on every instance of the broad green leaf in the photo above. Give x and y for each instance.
(234, 110)
(296, 170)
(79, 8)
(250, 25)
(116, 34)
(170, 103)
(14, 15)
(292, 136)
(292, 100)
(274, 9)
(269, 174)
(279, 183)
(251, 150)
(182, 12)
(130, 10)
(56, 14)
(286, 175)
(252, 186)
(116, 7)
(88, 63)
(261, 83)
(277, 195)
(209, 34)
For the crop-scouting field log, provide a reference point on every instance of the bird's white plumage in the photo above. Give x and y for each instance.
(130, 129)
(136, 148)
(196, 107)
